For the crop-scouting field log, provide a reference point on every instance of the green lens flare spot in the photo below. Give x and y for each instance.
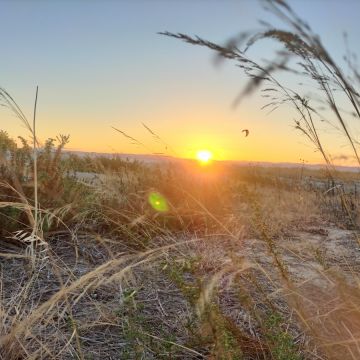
(158, 202)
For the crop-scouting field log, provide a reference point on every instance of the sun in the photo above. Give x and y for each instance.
(204, 156)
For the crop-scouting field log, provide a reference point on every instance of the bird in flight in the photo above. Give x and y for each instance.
(246, 131)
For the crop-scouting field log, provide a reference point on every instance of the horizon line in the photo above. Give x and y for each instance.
(159, 155)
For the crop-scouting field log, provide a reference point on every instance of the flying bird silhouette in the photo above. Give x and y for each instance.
(246, 131)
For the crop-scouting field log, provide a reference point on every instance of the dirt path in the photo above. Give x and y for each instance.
(323, 265)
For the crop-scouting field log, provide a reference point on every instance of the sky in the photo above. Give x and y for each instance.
(102, 64)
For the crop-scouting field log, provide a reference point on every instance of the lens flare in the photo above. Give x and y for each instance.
(158, 202)
(204, 156)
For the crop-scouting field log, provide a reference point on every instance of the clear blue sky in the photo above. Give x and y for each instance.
(101, 63)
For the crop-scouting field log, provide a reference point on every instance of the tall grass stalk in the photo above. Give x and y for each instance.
(9, 102)
(35, 228)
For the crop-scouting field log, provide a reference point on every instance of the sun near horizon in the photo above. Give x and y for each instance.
(204, 157)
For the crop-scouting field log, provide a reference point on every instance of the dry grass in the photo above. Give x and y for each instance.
(188, 283)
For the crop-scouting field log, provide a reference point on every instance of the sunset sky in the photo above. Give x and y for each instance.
(100, 64)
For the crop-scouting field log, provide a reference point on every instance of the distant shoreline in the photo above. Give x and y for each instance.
(155, 158)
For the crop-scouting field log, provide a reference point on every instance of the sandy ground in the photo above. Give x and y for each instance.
(322, 263)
